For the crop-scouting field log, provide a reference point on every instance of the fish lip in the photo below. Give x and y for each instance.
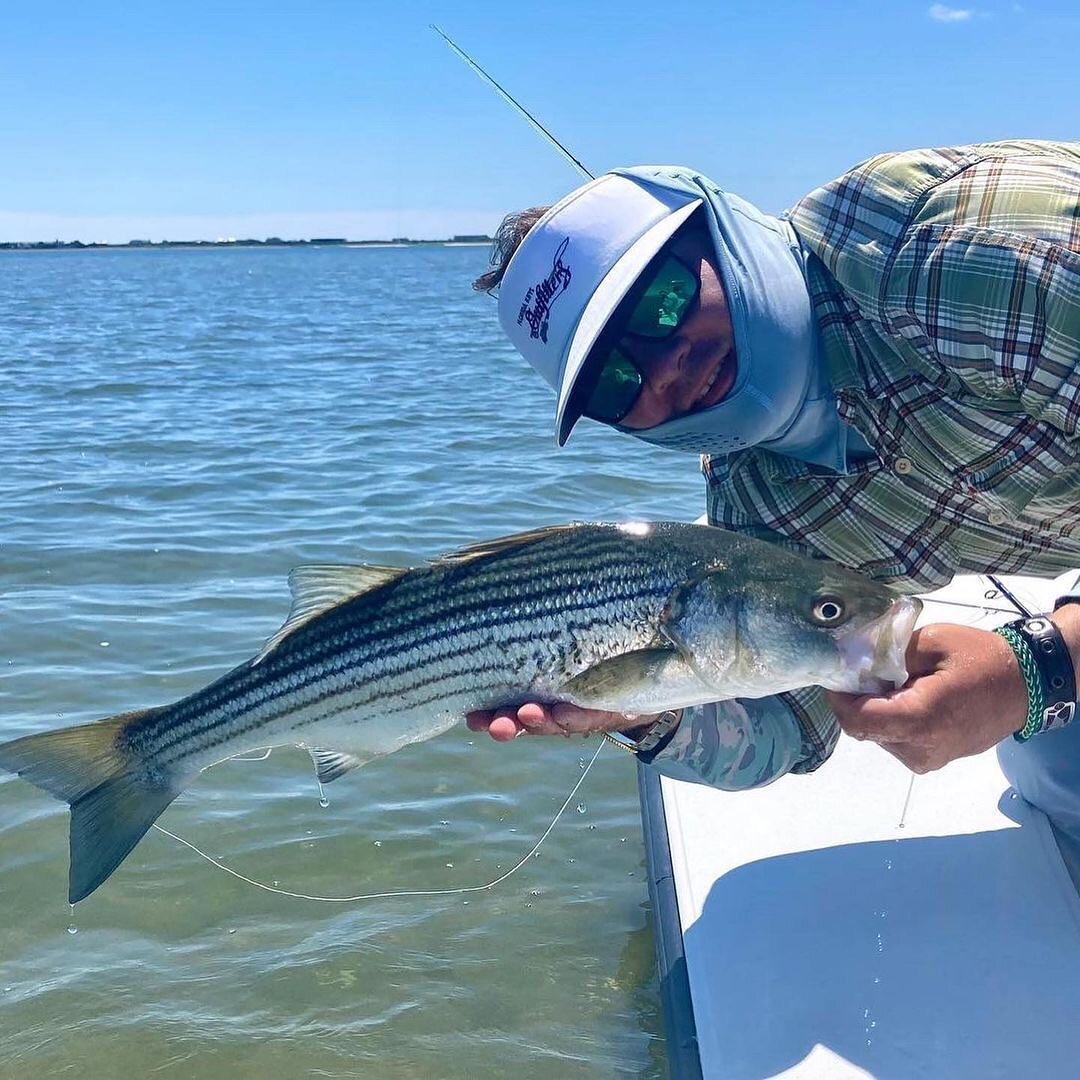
(874, 654)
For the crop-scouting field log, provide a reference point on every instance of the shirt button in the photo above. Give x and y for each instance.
(902, 466)
(997, 517)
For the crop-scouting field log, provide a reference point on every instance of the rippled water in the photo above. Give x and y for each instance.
(179, 428)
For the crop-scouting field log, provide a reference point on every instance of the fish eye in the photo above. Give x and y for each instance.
(828, 611)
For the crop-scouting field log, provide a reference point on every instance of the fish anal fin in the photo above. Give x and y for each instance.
(319, 587)
(330, 764)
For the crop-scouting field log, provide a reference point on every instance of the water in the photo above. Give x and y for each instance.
(178, 429)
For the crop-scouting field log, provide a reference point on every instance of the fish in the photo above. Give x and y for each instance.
(632, 617)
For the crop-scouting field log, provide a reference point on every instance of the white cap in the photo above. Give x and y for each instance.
(573, 268)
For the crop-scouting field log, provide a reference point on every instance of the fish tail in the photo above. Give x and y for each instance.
(114, 794)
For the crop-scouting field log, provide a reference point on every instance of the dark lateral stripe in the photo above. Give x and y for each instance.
(363, 643)
(421, 606)
(380, 684)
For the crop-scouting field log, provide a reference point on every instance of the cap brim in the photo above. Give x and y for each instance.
(603, 302)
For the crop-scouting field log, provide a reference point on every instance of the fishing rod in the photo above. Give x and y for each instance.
(513, 101)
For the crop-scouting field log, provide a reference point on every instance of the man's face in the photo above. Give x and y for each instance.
(694, 367)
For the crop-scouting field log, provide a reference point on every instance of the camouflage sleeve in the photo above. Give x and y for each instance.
(749, 742)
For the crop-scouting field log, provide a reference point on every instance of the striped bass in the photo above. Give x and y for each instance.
(633, 618)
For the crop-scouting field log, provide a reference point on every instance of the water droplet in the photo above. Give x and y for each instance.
(582, 808)
(324, 802)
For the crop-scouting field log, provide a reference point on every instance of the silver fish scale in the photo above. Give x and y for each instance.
(436, 642)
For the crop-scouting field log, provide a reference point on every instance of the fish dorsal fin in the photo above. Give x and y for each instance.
(320, 587)
(330, 764)
(501, 544)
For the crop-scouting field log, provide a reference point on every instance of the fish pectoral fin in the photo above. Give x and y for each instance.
(320, 587)
(330, 764)
(622, 675)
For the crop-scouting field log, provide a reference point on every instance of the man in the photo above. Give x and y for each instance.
(888, 376)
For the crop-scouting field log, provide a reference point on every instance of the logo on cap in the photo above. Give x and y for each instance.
(536, 307)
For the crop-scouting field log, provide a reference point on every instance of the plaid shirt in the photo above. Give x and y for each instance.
(946, 284)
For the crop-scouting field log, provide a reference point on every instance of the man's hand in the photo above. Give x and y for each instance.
(964, 694)
(561, 718)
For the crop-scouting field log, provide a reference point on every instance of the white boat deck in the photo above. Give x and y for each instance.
(865, 922)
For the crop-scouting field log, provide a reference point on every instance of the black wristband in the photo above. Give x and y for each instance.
(1055, 665)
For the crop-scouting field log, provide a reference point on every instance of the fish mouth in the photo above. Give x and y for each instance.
(874, 654)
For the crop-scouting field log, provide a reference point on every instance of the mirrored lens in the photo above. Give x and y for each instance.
(616, 390)
(665, 302)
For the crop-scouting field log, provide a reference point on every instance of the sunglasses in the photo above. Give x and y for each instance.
(656, 307)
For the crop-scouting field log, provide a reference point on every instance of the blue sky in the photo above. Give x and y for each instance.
(123, 120)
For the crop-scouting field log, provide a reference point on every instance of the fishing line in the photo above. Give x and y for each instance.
(404, 892)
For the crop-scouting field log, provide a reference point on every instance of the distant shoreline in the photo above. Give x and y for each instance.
(272, 242)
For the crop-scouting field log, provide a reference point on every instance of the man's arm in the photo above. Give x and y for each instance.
(733, 745)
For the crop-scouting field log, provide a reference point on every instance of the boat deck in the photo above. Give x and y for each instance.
(866, 922)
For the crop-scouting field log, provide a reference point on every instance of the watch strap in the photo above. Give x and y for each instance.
(653, 740)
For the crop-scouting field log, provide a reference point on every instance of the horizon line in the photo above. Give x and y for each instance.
(270, 241)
